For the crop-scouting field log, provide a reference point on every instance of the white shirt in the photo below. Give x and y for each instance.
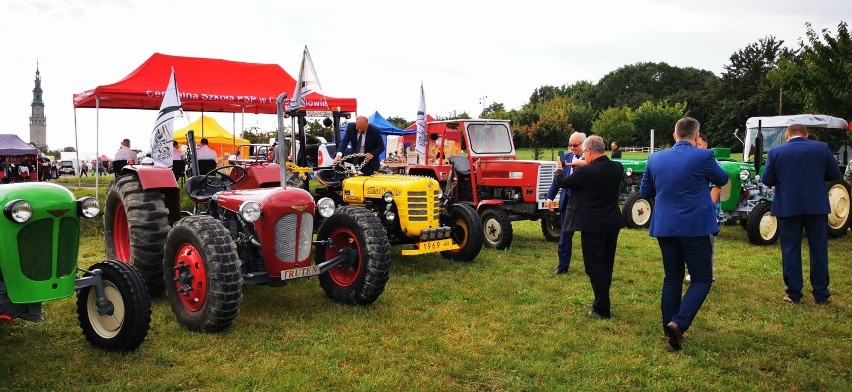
(125, 154)
(177, 154)
(205, 152)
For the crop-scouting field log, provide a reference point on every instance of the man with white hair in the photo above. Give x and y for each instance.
(563, 247)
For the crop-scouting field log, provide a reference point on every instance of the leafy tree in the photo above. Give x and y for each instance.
(69, 149)
(582, 91)
(454, 115)
(615, 124)
(546, 93)
(660, 117)
(581, 116)
(819, 74)
(257, 136)
(493, 109)
(399, 122)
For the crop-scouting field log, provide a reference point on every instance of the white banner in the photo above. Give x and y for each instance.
(161, 136)
(307, 83)
(420, 147)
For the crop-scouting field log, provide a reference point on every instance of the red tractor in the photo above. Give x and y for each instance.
(475, 161)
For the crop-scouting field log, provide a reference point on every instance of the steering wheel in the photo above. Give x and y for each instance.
(219, 178)
(347, 166)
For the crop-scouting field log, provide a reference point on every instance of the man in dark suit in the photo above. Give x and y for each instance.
(563, 247)
(593, 211)
(362, 137)
(798, 170)
(684, 218)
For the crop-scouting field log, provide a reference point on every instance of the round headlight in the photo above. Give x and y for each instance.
(629, 171)
(18, 210)
(325, 207)
(250, 211)
(388, 197)
(440, 193)
(88, 207)
(744, 175)
(390, 215)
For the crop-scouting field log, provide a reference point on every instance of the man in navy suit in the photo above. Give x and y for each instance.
(362, 137)
(798, 170)
(683, 220)
(563, 247)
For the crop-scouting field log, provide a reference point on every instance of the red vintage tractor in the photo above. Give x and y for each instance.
(475, 161)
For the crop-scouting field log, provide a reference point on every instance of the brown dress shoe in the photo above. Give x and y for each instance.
(675, 335)
(789, 300)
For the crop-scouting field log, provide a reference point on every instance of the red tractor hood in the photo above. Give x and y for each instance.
(270, 199)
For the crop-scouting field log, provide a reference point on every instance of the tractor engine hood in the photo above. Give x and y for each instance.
(279, 199)
(358, 189)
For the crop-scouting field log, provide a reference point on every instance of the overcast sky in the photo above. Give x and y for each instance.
(376, 52)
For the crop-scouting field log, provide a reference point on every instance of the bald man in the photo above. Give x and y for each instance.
(362, 137)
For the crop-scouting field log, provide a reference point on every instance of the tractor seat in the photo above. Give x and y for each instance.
(200, 192)
(329, 177)
(461, 164)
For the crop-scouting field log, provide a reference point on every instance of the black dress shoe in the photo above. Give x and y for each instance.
(675, 335)
(560, 271)
(823, 301)
(596, 315)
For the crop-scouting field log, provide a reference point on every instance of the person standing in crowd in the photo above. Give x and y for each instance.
(715, 195)
(204, 151)
(593, 211)
(682, 223)
(563, 247)
(796, 169)
(178, 161)
(616, 152)
(84, 169)
(362, 137)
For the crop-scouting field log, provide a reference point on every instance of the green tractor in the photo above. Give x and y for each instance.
(40, 238)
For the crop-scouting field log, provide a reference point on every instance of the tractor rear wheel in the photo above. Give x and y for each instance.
(839, 201)
(203, 271)
(126, 326)
(361, 281)
(637, 211)
(466, 231)
(551, 227)
(136, 224)
(497, 228)
(762, 227)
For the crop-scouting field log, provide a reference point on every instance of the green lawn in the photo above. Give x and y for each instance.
(500, 323)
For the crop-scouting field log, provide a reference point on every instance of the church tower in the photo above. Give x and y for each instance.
(38, 123)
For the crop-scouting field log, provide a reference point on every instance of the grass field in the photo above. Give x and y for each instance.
(500, 323)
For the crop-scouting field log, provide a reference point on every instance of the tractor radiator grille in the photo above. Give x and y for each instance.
(545, 178)
(422, 207)
(35, 249)
(69, 240)
(285, 237)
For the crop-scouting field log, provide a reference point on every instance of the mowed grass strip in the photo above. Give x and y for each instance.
(502, 322)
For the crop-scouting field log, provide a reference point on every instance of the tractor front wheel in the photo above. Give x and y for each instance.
(497, 228)
(637, 211)
(839, 201)
(360, 280)
(762, 227)
(466, 231)
(126, 325)
(551, 227)
(203, 271)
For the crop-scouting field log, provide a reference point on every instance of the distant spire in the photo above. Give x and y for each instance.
(37, 91)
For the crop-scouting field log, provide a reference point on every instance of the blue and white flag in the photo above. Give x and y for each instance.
(307, 83)
(161, 136)
(420, 147)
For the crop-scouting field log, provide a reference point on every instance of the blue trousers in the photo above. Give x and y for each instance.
(696, 254)
(563, 250)
(790, 231)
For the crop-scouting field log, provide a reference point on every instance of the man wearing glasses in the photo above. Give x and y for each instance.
(563, 247)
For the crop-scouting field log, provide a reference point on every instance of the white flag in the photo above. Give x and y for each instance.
(307, 83)
(161, 136)
(420, 147)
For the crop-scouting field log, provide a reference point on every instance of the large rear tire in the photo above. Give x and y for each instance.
(127, 326)
(839, 200)
(551, 227)
(762, 227)
(497, 228)
(362, 281)
(466, 232)
(637, 211)
(203, 271)
(136, 224)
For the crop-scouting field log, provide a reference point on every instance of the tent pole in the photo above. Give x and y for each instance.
(97, 148)
(242, 121)
(234, 136)
(76, 148)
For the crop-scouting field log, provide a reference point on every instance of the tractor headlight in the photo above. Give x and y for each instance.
(744, 175)
(628, 172)
(250, 211)
(388, 197)
(390, 215)
(88, 207)
(440, 193)
(18, 210)
(325, 207)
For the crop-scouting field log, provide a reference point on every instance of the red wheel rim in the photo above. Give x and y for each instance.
(343, 239)
(121, 233)
(190, 277)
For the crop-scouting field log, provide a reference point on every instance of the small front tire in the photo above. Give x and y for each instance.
(637, 211)
(497, 228)
(466, 232)
(762, 227)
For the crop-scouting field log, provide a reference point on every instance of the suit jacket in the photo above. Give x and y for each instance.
(555, 188)
(798, 170)
(593, 205)
(373, 144)
(677, 178)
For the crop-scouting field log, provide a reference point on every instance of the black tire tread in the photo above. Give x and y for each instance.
(753, 224)
(476, 235)
(626, 211)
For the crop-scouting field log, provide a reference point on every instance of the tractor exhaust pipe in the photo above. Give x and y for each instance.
(282, 159)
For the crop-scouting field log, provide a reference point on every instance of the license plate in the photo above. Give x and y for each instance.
(302, 272)
(431, 247)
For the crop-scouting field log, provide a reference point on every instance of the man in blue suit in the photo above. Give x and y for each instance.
(563, 247)
(684, 218)
(798, 170)
(362, 137)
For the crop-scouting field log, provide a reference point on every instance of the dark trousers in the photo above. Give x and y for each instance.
(790, 231)
(563, 250)
(696, 253)
(599, 259)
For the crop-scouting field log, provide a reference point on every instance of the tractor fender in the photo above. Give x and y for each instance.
(161, 179)
(487, 203)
